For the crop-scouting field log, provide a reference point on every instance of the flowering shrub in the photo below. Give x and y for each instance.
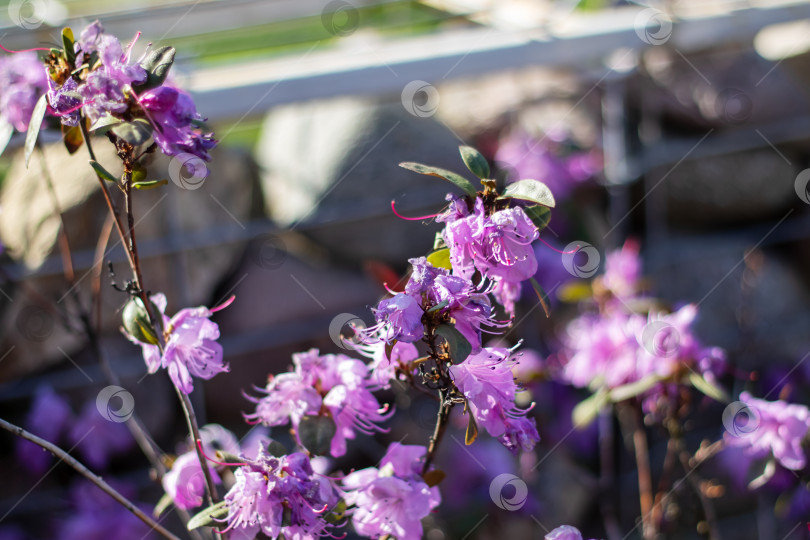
(635, 356)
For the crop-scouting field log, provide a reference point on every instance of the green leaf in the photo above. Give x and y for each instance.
(585, 411)
(316, 433)
(72, 137)
(438, 242)
(276, 449)
(472, 431)
(541, 294)
(105, 123)
(157, 65)
(475, 161)
(437, 307)
(456, 179)
(33, 127)
(162, 505)
(708, 388)
(138, 173)
(135, 133)
(209, 516)
(529, 190)
(67, 43)
(440, 259)
(6, 131)
(149, 184)
(540, 216)
(102, 172)
(460, 348)
(631, 390)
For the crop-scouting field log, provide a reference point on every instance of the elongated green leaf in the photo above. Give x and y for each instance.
(540, 216)
(475, 162)
(708, 388)
(6, 131)
(161, 506)
(585, 411)
(105, 123)
(37, 116)
(456, 179)
(102, 172)
(209, 516)
(135, 133)
(67, 43)
(472, 431)
(529, 190)
(541, 294)
(460, 348)
(316, 433)
(440, 259)
(633, 389)
(437, 307)
(157, 65)
(149, 184)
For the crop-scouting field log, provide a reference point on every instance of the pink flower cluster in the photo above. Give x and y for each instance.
(330, 384)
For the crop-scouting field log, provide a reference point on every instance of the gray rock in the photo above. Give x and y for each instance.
(332, 167)
(727, 189)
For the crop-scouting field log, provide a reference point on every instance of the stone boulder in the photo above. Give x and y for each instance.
(330, 169)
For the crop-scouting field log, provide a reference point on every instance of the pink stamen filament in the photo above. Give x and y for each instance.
(200, 446)
(557, 250)
(72, 109)
(25, 50)
(411, 218)
(224, 304)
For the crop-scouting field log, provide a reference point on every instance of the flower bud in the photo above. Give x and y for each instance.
(136, 321)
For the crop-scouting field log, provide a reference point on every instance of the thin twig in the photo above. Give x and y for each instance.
(607, 475)
(438, 430)
(191, 419)
(645, 488)
(695, 481)
(84, 471)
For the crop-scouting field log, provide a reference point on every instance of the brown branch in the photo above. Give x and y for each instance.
(64, 244)
(438, 431)
(84, 471)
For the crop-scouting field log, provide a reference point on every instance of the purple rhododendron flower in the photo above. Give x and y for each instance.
(564, 532)
(97, 438)
(487, 382)
(497, 245)
(88, 41)
(190, 345)
(49, 417)
(623, 270)
(65, 101)
(185, 482)
(104, 90)
(621, 348)
(400, 318)
(23, 80)
(266, 486)
(393, 499)
(429, 287)
(772, 426)
(335, 382)
(383, 369)
(174, 115)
